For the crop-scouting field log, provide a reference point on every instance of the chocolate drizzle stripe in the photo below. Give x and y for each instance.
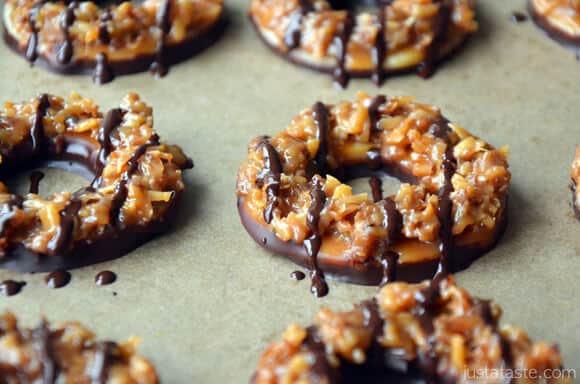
(293, 35)
(320, 116)
(110, 122)
(32, 47)
(373, 112)
(63, 237)
(393, 224)
(427, 66)
(379, 49)
(67, 19)
(341, 75)
(376, 188)
(313, 243)
(43, 344)
(102, 362)
(103, 72)
(270, 176)
(159, 67)
(120, 194)
(106, 17)
(37, 131)
(35, 178)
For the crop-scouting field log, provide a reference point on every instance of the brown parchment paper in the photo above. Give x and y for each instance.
(207, 300)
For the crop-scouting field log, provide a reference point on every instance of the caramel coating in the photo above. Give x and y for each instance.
(559, 17)
(410, 28)
(459, 333)
(406, 144)
(151, 189)
(68, 353)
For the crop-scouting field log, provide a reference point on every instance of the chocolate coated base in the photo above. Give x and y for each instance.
(173, 54)
(563, 38)
(371, 272)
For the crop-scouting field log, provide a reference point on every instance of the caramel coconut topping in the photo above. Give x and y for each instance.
(433, 332)
(68, 353)
(136, 181)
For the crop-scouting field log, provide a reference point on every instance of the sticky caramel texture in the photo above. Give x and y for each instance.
(68, 353)
(459, 333)
(410, 28)
(150, 190)
(132, 28)
(559, 16)
(406, 143)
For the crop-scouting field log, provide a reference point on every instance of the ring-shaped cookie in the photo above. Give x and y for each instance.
(137, 182)
(329, 36)
(433, 332)
(292, 200)
(105, 41)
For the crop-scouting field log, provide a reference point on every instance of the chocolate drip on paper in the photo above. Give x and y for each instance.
(340, 74)
(427, 66)
(57, 279)
(102, 362)
(37, 131)
(103, 72)
(67, 19)
(297, 275)
(11, 287)
(159, 67)
(320, 116)
(312, 244)
(43, 345)
(120, 194)
(105, 278)
(35, 178)
(270, 177)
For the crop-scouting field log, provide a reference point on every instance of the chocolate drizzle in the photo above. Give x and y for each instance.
(427, 66)
(11, 287)
(102, 362)
(380, 46)
(110, 122)
(8, 211)
(120, 194)
(312, 244)
(320, 116)
(37, 130)
(377, 102)
(297, 275)
(293, 33)
(35, 178)
(67, 19)
(393, 223)
(159, 67)
(445, 207)
(32, 47)
(43, 345)
(63, 238)
(270, 177)
(376, 188)
(104, 35)
(103, 72)
(341, 40)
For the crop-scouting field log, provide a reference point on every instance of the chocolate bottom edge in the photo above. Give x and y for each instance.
(369, 273)
(351, 73)
(559, 36)
(174, 54)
